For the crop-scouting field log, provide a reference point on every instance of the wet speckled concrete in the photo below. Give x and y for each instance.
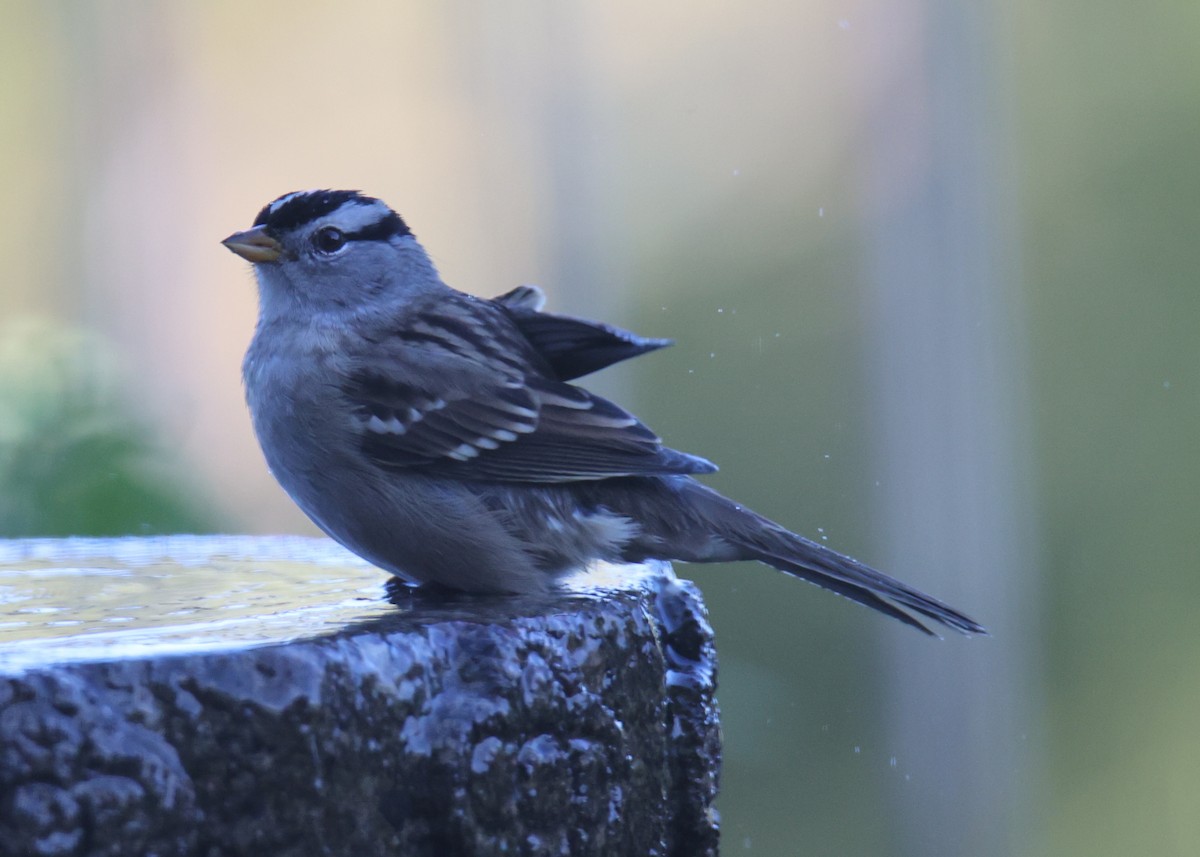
(214, 696)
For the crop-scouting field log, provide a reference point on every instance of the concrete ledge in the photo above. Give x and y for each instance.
(221, 696)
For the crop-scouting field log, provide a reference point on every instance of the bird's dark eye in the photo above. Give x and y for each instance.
(329, 240)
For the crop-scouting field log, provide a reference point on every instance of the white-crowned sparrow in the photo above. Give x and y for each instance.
(436, 435)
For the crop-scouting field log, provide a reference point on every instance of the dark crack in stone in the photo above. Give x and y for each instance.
(228, 696)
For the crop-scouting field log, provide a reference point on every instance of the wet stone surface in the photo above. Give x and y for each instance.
(221, 696)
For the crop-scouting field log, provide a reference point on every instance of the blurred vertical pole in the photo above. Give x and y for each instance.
(947, 378)
(542, 68)
(581, 163)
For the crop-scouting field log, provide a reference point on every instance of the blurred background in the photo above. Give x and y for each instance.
(931, 267)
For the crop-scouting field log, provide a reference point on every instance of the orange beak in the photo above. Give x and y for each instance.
(255, 245)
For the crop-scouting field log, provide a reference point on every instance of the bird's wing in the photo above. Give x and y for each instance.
(528, 298)
(572, 347)
(456, 390)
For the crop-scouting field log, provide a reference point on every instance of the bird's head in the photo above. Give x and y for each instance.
(330, 250)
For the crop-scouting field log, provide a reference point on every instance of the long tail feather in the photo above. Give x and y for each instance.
(755, 537)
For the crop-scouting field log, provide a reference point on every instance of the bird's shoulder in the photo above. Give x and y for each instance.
(453, 334)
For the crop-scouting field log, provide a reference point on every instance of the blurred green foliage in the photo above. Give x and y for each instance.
(73, 461)
(1110, 131)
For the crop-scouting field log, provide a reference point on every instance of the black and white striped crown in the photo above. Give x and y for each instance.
(362, 217)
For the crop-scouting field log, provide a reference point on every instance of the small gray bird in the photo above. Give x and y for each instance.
(438, 436)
